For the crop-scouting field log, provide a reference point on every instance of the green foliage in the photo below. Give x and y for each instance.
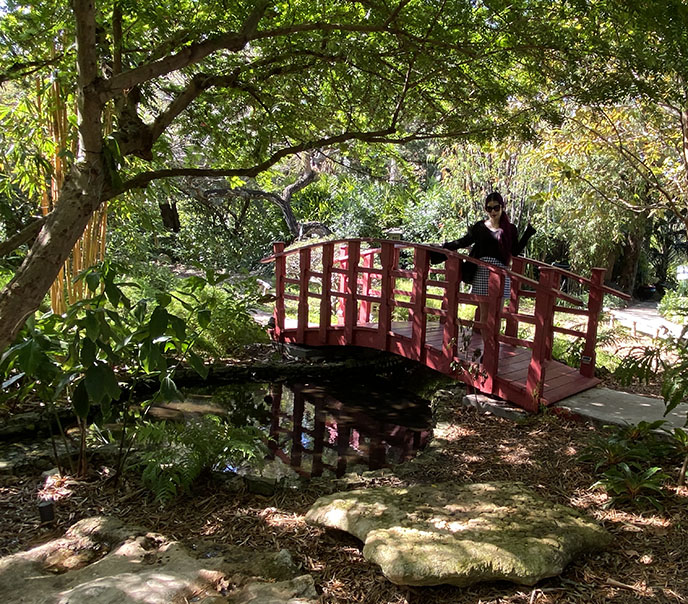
(635, 442)
(679, 444)
(568, 350)
(244, 404)
(631, 457)
(605, 452)
(632, 483)
(674, 304)
(176, 454)
(668, 359)
(86, 353)
(232, 325)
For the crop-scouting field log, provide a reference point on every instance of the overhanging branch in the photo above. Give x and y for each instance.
(143, 179)
(22, 237)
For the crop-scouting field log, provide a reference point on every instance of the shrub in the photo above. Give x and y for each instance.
(177, 454)
(633, 484)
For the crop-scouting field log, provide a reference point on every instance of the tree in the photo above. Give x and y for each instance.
(250, 83)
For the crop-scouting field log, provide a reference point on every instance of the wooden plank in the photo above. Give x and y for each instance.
(587, 366)
(351, 285)
(280, 274)
(363, 277)
(555, 395)
(491, 343)
(569, 332)
(511, 330)
(302, 312)
(515, 341)
(385, 313)
(326, 301)
(543, 314)
(582, 312)
(417, 315)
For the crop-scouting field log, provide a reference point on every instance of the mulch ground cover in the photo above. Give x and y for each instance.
(647, 562)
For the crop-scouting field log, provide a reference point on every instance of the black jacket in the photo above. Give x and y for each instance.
(485, 243)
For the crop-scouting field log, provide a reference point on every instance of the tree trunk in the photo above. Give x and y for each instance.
(629, 262)
(63, 227)
(170, 217)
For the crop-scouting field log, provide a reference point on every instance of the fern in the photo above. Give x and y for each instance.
(177, 454)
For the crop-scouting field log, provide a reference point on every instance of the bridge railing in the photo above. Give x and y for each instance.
(384, 294)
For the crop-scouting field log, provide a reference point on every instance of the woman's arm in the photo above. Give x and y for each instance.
(520, 244)
(465, 241)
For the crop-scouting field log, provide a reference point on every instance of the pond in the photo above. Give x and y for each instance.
(323, 428)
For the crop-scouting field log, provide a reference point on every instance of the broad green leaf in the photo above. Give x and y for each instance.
(140, 310)
(158, 322)
(93, 280)
(163, 299)
(113, 293)
(151, 358)
(179, 327)
(101, 383)
(88, 352)
(198, 365)
(80, 400)
(30, 357)
(92, 326)
(203, 316)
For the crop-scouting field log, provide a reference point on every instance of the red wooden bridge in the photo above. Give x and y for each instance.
(385, 295)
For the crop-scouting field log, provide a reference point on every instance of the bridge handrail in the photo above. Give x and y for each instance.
(430, 248)
(582, 280)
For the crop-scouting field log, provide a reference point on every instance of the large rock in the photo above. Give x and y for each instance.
(461, 534)
(101, 560)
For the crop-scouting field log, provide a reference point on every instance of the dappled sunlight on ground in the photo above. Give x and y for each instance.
(457, 432)
(515, 454)
(647, 560)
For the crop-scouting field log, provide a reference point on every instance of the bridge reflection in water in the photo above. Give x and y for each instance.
(319, 429)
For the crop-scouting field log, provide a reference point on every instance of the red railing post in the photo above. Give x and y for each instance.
(495, 290)
(350, 314)
(452, 276)
(384, 324)
(364, 310)
(418, 319)
(280, 273)
(326, 301)
(304, 277)
(595, 298)
(542, 347)
(343, 263)
(517, 266)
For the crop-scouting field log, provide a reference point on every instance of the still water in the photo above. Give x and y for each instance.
(321, 428)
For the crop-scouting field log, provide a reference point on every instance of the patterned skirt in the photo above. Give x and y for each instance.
(482, 276)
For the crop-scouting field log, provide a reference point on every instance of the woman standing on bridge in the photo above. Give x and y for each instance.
(494, 240)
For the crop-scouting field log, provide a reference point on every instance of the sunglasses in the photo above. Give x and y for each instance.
(493, 208)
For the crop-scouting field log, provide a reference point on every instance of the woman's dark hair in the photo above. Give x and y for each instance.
(505, 237)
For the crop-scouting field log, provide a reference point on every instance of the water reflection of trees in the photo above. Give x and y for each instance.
(314, 432)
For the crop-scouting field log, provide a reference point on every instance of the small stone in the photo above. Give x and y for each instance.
(259, 485)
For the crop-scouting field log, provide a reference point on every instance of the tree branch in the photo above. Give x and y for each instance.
(108, 89)
(142, 179)
(22, 237)
(21, 70)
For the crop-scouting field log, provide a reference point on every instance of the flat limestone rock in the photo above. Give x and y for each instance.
(100, 560)
(461, 534)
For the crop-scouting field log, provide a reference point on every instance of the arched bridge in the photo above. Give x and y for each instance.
(385, 295)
